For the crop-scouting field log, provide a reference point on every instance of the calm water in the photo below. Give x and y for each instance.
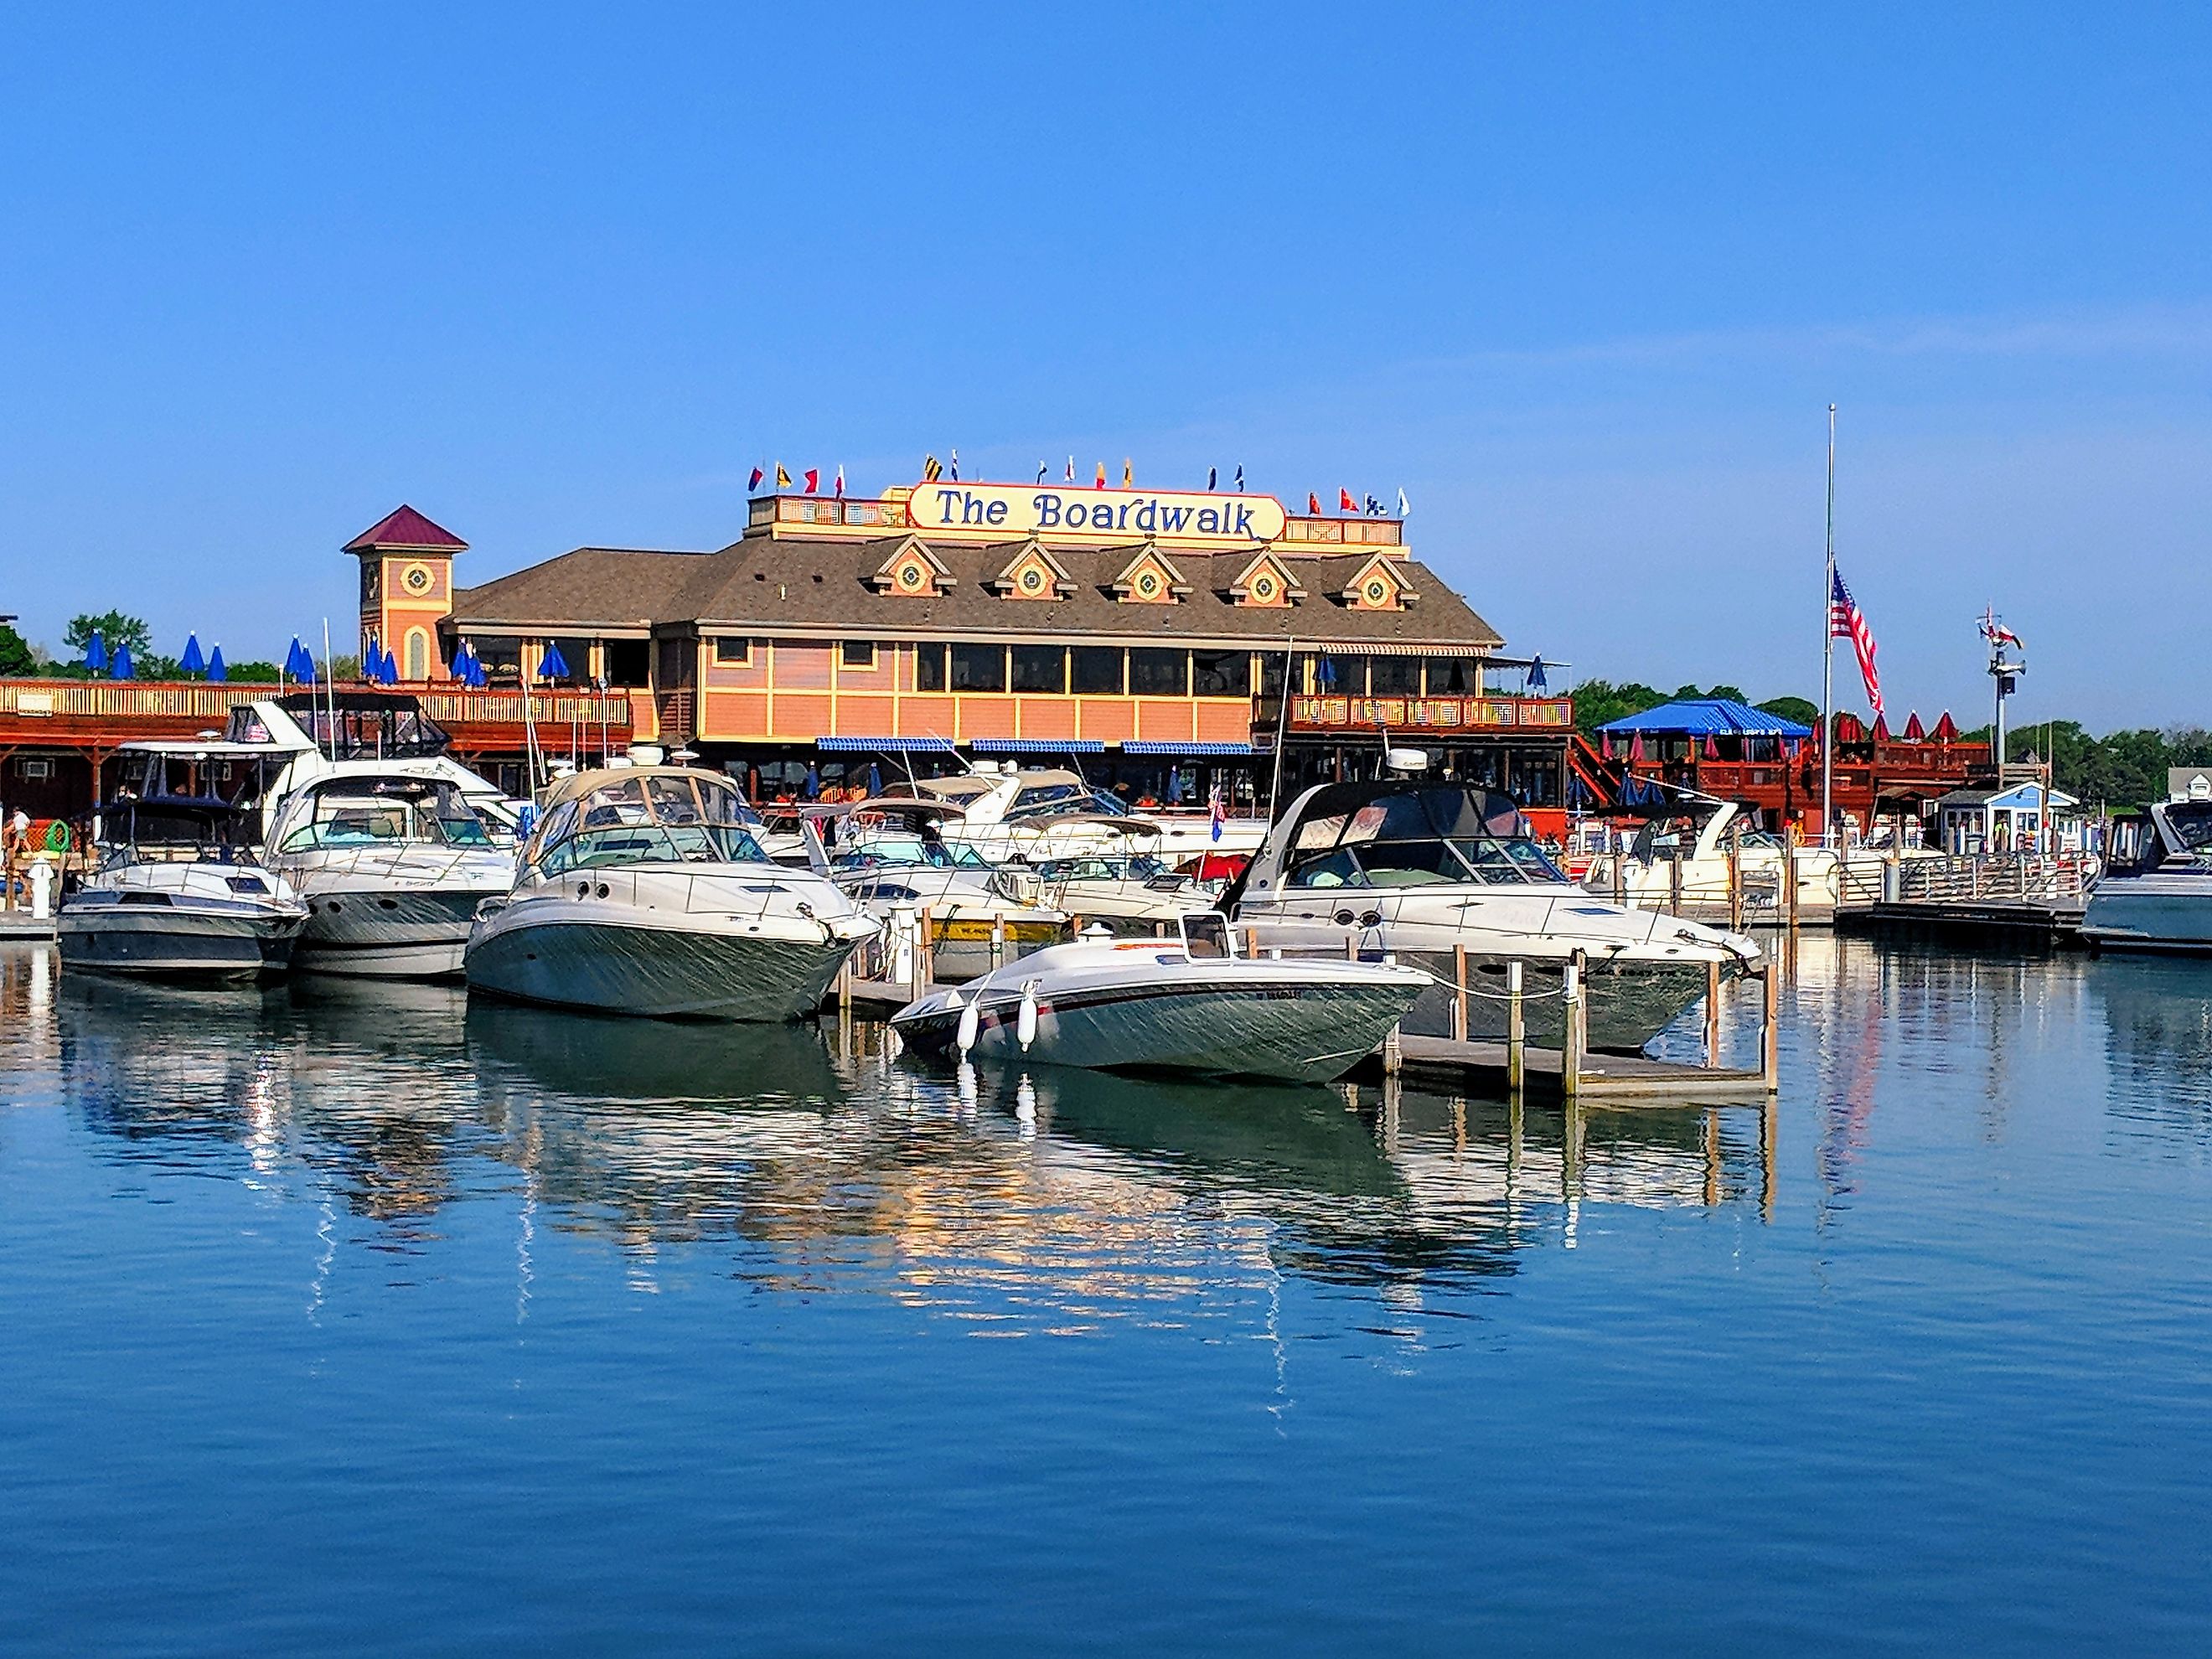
(365, 1320)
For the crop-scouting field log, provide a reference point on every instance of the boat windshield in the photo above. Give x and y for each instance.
(382, 815)
(1137, 868)
(881, 848)
(1053, 800)
(1420, 838)
(689, 818)
(2191, 823)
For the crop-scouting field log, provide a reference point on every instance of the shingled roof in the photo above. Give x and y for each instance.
(766, 584)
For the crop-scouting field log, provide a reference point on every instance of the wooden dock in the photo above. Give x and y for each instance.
(2029, 902)
(21, 927)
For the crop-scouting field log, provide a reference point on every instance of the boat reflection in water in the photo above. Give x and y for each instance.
(1047, 1201)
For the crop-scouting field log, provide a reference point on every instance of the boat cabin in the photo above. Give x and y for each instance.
(1403, 835)
(365, 812)
(644, 815)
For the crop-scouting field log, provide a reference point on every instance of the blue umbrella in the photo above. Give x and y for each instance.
(192, 662)
(95, 654)
(218, 672)
(875, 779)
(1325, 675)
(1174, 786)
(813, 781)
(554, 667)
(119, 667)
(389, 670)
(299, 662)
(1536, 680)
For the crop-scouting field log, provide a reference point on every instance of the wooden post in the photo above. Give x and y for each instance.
(925, 967)
(1735, 875)
(1788, 895)
(1459, 1007)
(1351, 947)
(1620, 868)
(997, 941)
(845, 987)
(1570, 1055)
(1516, 1032)
(1674, 885)
(1394, 1053)
(1769, 1048)
(1713, 1015)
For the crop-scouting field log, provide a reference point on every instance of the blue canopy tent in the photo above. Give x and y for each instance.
(1696, 720)
(218, 671)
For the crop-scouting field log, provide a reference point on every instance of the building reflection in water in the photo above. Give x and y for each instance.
(1051, 1201)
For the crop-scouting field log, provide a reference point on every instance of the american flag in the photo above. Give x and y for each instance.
(1847, 621)
(1216, 812)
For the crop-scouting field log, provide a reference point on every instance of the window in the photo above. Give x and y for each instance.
(1040, 668)
(929, 668)
(627, 662)
(1096, 670)
(858, 653)
(979, 668)
(1221, 674)
(733, 653)
(418, 654)
(1397, 677)
(1160, 673)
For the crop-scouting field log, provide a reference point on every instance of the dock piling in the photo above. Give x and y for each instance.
(1769, 1071)
(1516, 1033)
(1577, 1033)
(1712, 1015)
(1459, 1005)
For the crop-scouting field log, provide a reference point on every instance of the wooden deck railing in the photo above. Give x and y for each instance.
(125, 700)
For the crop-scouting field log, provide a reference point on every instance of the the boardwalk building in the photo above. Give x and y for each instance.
(1133, 630)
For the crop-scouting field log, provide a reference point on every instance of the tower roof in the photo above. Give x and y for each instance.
(407, 528)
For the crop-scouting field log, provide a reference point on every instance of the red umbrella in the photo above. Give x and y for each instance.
(1635, 747)
(1713, 749)
(1946, 729)
(1608, 736)
(1881, 728)
(1914, 733)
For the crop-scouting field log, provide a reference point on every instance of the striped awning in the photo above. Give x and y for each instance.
(881, 745)
(1037, 746)
(1199, 748)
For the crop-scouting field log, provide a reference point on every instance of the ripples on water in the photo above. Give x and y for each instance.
(356, 1316)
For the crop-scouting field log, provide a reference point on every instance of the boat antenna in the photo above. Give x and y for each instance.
(330, 688)
(1282, 726)
(1828, 648)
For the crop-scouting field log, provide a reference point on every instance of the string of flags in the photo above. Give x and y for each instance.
(933, 470)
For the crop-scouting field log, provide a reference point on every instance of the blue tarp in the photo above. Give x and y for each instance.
(1699, 717)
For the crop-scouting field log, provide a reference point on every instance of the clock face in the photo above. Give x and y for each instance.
(1377, 593)
(1148, 583)
(1032, 579)
(1264, 589)
(417, 579)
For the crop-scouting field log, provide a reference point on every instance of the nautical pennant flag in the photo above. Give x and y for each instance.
(1210, 476)
(1240, 478)
(782, 477)
(1344, 501)
(1847, 621)
(813, 479)
(932, 469)
(1374, 505)
(1043, 467)
(754, 483)
(1102, 475)
(1313, 502)
(1071, 469)
(841, 481)
(1405, 506)
(1996, 633)
(1128, 474)
(956, 466)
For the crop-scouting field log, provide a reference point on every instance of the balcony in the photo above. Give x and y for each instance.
(1547, 716)
(120, 711)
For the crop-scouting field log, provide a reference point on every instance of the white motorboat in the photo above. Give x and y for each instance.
(1678, 860)
(642, 891)
(177, 892)
(893, 854)
(1053, 812)
(1423, 871)
(392, 863)
(1129, 893)
(1188, 1006)
(2161, 900)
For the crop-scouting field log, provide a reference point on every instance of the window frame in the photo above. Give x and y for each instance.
(847, 647)
(957, 669)
(1014, 676)
(723, 659)
(1139, 652)
(1118, 684)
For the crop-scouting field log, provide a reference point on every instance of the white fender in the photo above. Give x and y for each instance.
(972, 1018)
(1025, 1022)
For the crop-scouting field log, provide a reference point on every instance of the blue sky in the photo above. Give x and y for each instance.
(1583, 281)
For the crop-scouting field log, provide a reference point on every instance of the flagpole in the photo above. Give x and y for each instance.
(1828, 648)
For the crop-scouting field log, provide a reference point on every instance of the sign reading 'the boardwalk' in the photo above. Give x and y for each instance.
(1015, 511)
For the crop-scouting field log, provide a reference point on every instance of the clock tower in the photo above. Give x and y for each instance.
(406, 589)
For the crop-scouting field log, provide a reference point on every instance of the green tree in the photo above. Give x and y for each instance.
(1801, 710)
(16, 656)
(1597, 701)
(114, 629)
(254, 672)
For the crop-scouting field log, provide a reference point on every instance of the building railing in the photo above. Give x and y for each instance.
(1553, 716)
(2028, 878)
(127, 700)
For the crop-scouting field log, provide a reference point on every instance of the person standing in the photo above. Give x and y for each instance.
(15, 854)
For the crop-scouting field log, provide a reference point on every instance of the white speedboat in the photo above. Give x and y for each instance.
(2162, 899)
(1424, 870)
(392, 863)
(1188, 1006)
(177, 892)
(892, 854)
(1129, 893)
(642, 891)
(1053, 812)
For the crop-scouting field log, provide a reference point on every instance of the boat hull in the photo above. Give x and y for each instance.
(652, 971)
(2156, 912)
(178, 941)
(1298, 1033)
(388, 933)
